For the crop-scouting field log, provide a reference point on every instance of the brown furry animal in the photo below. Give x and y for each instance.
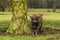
(36, 23)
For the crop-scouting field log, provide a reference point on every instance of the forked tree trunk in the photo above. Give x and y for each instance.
(19, 18)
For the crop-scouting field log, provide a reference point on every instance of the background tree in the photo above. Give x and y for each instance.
(19, 18)
(4, 4)
(54, 5)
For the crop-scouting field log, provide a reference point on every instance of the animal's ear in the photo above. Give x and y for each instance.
(41, 14)
(31, 16)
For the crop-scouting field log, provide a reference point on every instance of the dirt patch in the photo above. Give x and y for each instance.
(50, 39)
(45, 31)
(48, 31)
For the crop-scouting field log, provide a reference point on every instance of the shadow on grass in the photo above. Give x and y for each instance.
(49, 31)
(45, 32)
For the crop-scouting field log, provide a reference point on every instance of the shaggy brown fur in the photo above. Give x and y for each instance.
(36, 23)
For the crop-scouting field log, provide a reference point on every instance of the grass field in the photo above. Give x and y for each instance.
(49, 37)
(51, 20)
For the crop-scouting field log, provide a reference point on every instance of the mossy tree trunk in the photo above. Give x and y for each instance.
(18, 23)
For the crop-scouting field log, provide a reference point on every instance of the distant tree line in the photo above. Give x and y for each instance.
(32, 4)
(44, 3)
(4, 4)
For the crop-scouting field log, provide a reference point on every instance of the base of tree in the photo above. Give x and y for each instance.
(46, 31)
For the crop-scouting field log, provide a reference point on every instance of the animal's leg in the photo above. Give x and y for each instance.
(36, 32)
(33, 32)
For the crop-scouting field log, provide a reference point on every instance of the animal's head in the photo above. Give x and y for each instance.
(35, 17)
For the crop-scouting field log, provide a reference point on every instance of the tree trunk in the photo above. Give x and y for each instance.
(54, 6)
(19, 18)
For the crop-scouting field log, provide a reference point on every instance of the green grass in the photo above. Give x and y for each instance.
(4, 25)
(50, 20)
(46, 15)
(48, 37)
(5, 13)
(55, 24)
(5, 16)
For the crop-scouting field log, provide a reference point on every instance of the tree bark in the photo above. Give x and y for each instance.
(18, 23)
